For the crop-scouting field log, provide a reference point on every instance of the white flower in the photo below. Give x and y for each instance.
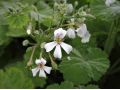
(109, 2)
(41, 68)
(59, 34)
(83, 33)
(71, 33)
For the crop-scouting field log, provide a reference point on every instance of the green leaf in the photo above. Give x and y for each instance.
(14, 78)
(38, 81)
(18, 20)
(16, 32)
(3, 38)
(63, 85)
(91, 63)
(91, 87)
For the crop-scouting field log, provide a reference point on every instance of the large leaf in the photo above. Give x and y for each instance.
(91, 63)
(14, 78)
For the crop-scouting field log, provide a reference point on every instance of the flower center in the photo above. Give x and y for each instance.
(40, 65)
(58, 40)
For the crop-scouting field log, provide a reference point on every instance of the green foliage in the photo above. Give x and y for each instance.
(63, 85)
(4, 39)
(16, 33)
(85, 66)
(91, 86)
(14, 78)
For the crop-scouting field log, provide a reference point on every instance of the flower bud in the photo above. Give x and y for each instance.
(69, 58)
(69, 8)
(25, 42)
(36, 32)
(43, 44)
(29, 29)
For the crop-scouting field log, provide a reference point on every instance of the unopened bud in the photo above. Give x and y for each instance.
(25, 42)
(43, 44)
(76, 3)
(36, 32)
(69, 58)
(29, 29)
(69, 8)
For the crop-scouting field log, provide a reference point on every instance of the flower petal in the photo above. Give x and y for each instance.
(42, 73)
(34, 71)
(47, 69)
(37, 61)
(60, 33)
(57, 52)
(71, 33)
(43, 61)
(86, 38)
(50, 46)
(81, 31)
(109, 2)
(66, 47)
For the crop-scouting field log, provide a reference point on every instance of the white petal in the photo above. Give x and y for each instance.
(71, 33)
(42, 73)
(81, 31)
(34, 71)
(43, 61)
(109, 2)
(66, 47)
(47, 69)
(60, 33)
(86, 38)
(50, 46)
(37, 61)
(57, 52)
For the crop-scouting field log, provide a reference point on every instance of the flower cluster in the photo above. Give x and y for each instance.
(73, 28)
(81, 32)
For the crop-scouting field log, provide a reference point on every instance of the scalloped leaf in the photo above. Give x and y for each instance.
(14, 78)
(85, 66)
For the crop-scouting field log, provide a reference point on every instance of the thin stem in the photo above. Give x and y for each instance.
(31, 57)
(41, 53)
(111, 38)
(61, 21)
(54, 65)
(50, 57)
